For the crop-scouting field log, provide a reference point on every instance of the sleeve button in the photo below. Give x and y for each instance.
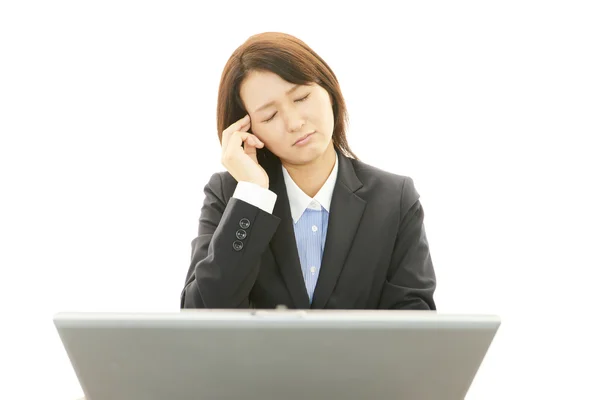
(244, 223)
(237, 245)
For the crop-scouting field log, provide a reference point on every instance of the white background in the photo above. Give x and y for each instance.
(108, 136)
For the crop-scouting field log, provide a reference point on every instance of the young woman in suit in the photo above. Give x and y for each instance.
(297, 220)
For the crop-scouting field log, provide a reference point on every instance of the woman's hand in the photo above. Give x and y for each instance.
(241, 162)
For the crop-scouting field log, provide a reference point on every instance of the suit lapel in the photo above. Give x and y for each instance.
(346, 211)
(283, 244)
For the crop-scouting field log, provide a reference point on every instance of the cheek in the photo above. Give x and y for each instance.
(325, 117)
(323, 111)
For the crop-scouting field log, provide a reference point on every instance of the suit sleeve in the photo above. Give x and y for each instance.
(411, 279)
(225, 257)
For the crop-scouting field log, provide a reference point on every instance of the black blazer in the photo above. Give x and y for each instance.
(376, 252)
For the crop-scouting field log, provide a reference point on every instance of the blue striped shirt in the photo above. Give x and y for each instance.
(311, 231)
(311, 217)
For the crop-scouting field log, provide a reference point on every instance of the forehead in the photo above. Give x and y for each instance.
(260, 87)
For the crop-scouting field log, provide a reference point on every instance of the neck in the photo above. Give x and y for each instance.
(311, 177)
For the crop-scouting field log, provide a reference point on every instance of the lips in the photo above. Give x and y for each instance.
(303, 137)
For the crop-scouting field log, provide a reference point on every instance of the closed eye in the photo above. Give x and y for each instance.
(297, 100)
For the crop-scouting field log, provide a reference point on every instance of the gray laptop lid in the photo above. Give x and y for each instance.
(312, 354)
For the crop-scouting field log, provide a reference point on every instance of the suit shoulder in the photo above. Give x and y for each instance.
(394, 187)
(373, 176)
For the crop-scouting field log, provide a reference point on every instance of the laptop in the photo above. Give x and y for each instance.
(276, 354)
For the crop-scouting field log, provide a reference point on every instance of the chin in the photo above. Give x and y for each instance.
(305, 155)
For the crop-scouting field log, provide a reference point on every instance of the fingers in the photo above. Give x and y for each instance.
(237, 138)
(251, 144)
(240, 125)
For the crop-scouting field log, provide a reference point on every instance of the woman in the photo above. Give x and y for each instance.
(297, 220)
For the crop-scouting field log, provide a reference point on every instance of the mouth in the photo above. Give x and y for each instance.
(303, 139)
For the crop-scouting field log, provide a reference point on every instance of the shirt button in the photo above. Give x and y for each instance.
(313, 270)
(244, 223)
(314, 228)
(237, 245)
(241, 234)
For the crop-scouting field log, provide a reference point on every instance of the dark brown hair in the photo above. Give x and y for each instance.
(295, 62)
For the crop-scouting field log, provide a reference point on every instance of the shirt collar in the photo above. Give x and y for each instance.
(300, 201)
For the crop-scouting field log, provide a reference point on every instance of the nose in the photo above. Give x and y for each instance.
(294, 120)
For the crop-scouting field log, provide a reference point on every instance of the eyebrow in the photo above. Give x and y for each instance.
(272, 102)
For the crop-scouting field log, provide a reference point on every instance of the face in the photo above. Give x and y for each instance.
(281, 113)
